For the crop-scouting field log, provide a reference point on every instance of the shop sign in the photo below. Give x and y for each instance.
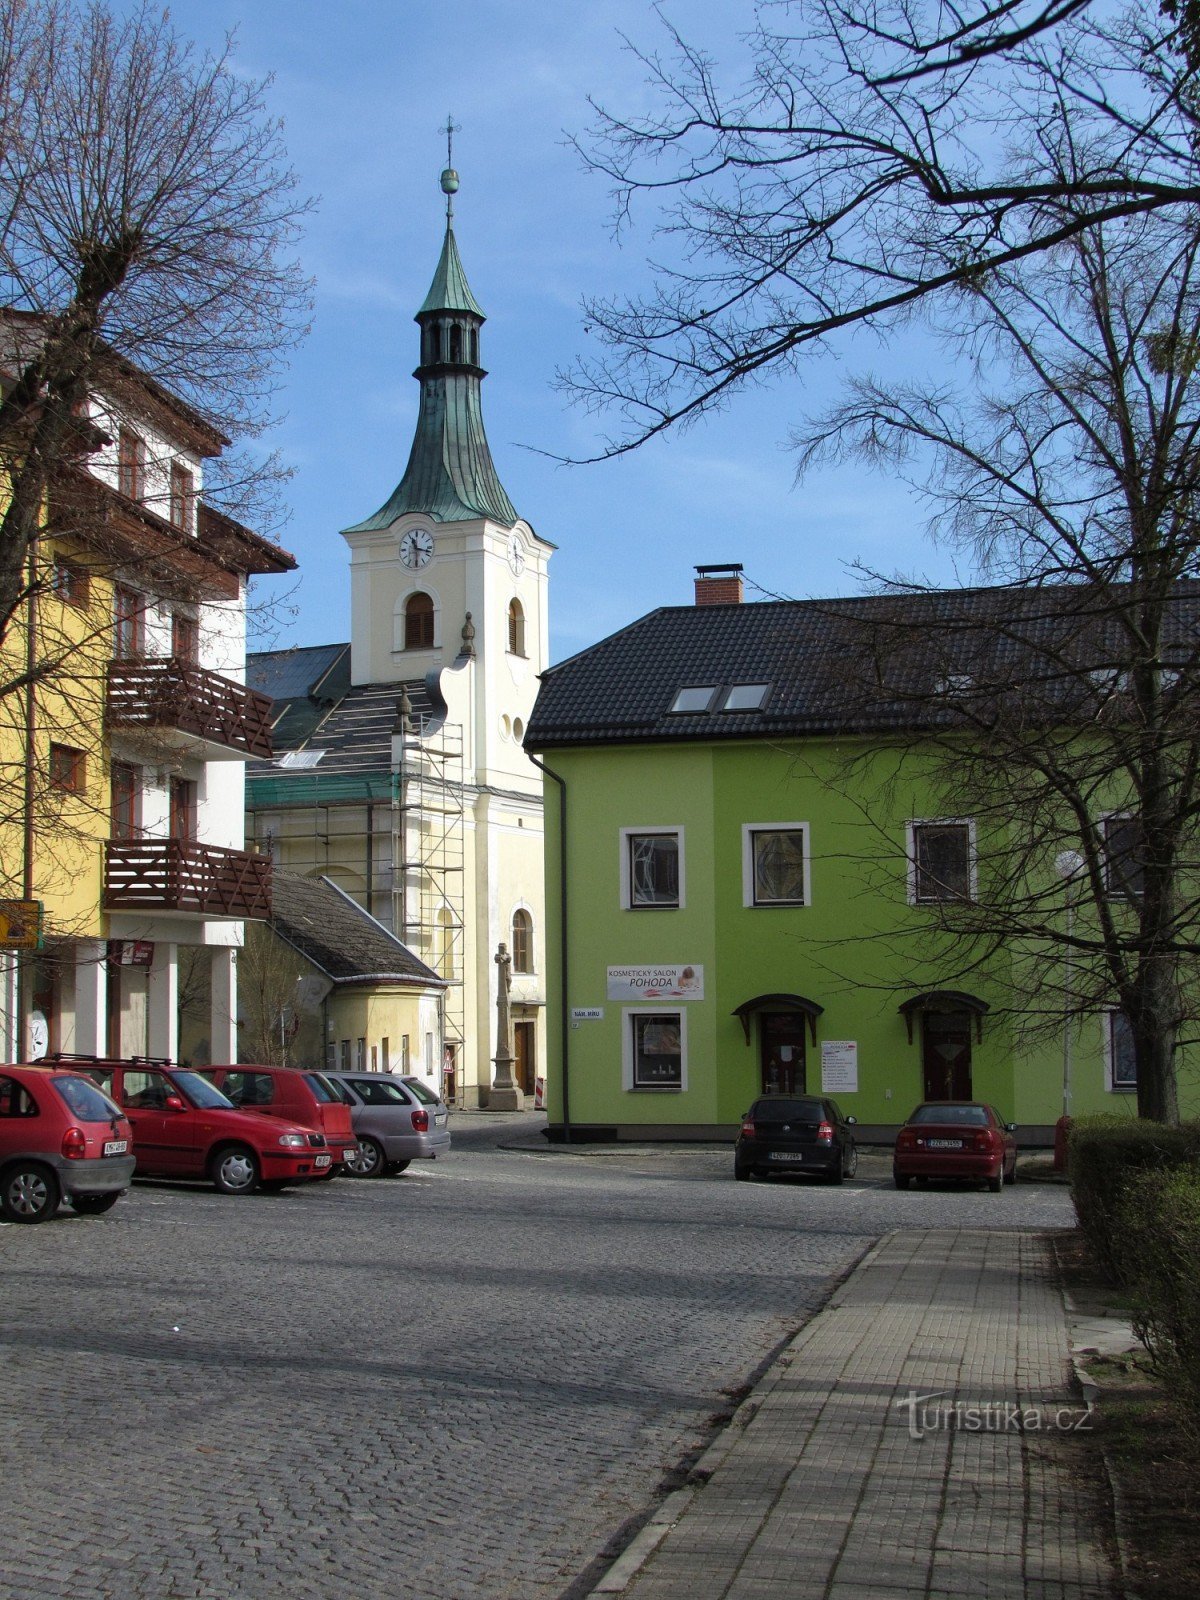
(839, 1066)
(131, 952)
(20, 924)
(656, 983)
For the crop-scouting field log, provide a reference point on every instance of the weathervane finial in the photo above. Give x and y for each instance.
(449, 178)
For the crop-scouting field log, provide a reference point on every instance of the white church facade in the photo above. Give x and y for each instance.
(398, 770)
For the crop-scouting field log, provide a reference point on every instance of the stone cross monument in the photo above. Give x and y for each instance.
(505, 1094)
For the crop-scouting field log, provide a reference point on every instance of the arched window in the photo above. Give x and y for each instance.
(522, 942)
(455, 342)
(418, 622)
(516, 629)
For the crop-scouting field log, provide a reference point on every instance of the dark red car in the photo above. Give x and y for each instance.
(296, 1095)
(184, 1127)
(955, 1139)
(61, 1138)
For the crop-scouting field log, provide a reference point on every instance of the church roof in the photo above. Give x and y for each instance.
(450, 290)
(450, 476)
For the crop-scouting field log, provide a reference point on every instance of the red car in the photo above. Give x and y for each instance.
(60, 1138)
(296, 1095)
(955, 1139)
(184, 1127)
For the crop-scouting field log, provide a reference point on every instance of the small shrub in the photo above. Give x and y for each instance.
(1105, 1156)
(1159, 1244)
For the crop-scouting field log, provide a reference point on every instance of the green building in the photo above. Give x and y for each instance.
(743, 897)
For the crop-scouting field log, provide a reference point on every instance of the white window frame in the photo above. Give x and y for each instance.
(749, 829)
(665, 829)
(1106, 1040)
(1112, 890)
(972, 858)
(532, 971)
(628, 1013)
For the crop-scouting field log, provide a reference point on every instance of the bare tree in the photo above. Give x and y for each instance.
(1060, 710)
(880, 153)
(148, 218)
(267, 995)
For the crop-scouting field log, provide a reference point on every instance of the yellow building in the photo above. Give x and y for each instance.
(125, 726)
(323, 981)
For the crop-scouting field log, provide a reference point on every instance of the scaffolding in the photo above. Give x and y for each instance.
(429, 868)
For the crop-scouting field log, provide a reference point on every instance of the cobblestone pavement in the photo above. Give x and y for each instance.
(472, 1380)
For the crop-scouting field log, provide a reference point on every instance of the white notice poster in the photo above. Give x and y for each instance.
(839, 1066)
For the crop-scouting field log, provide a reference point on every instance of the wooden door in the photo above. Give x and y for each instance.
(781, 1043)
(947, 1055)
(525, 1053)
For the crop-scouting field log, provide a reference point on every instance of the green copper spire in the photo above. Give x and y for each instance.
(450, 476)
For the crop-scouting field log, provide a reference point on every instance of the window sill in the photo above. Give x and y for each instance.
(655, 1088)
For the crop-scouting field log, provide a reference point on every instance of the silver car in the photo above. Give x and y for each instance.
(396, 1120)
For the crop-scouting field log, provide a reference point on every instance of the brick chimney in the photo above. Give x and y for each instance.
(720, 585)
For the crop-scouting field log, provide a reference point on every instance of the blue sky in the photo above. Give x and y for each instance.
(363, 89)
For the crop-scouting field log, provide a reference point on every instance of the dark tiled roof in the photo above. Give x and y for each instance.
(356, 736)
(875, 662)
(338, 936)
(304, 685)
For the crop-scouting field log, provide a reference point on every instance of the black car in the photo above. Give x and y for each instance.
(795, 1133)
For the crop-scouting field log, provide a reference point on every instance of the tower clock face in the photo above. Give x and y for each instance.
(416, 547)
(516, 555)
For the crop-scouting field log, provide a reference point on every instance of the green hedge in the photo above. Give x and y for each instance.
(1159, 1248)
(1106, 1156)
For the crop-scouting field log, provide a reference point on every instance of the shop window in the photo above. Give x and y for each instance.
(655, 1050)
(941, 862)
(651, 869)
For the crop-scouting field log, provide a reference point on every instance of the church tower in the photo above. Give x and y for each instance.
(449, 602)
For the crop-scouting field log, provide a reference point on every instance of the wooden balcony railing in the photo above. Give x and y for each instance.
(183, 875)
(164, 692)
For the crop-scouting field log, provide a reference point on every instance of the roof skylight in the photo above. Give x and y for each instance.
(746, 697)
(299, 758)
(694, 699)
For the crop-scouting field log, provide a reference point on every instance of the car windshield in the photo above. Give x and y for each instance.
(200, 1092)
(958, 1116)
(781, 1110)
(85, 1100)
(422, 1092)
(322, 1088)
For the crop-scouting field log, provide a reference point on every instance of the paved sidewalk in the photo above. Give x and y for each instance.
(833, 1481)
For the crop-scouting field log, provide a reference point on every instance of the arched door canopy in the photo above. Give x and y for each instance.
(778, 1002)
(943, 1001)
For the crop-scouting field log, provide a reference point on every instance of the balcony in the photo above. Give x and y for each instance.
(176, 698)
(183, 875)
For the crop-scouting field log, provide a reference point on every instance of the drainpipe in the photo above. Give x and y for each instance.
(565, 1021)
(24, 995)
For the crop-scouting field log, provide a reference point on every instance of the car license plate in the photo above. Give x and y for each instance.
(786, 1155)
(944, 1144)
(115, 1147)
(323, 1161)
